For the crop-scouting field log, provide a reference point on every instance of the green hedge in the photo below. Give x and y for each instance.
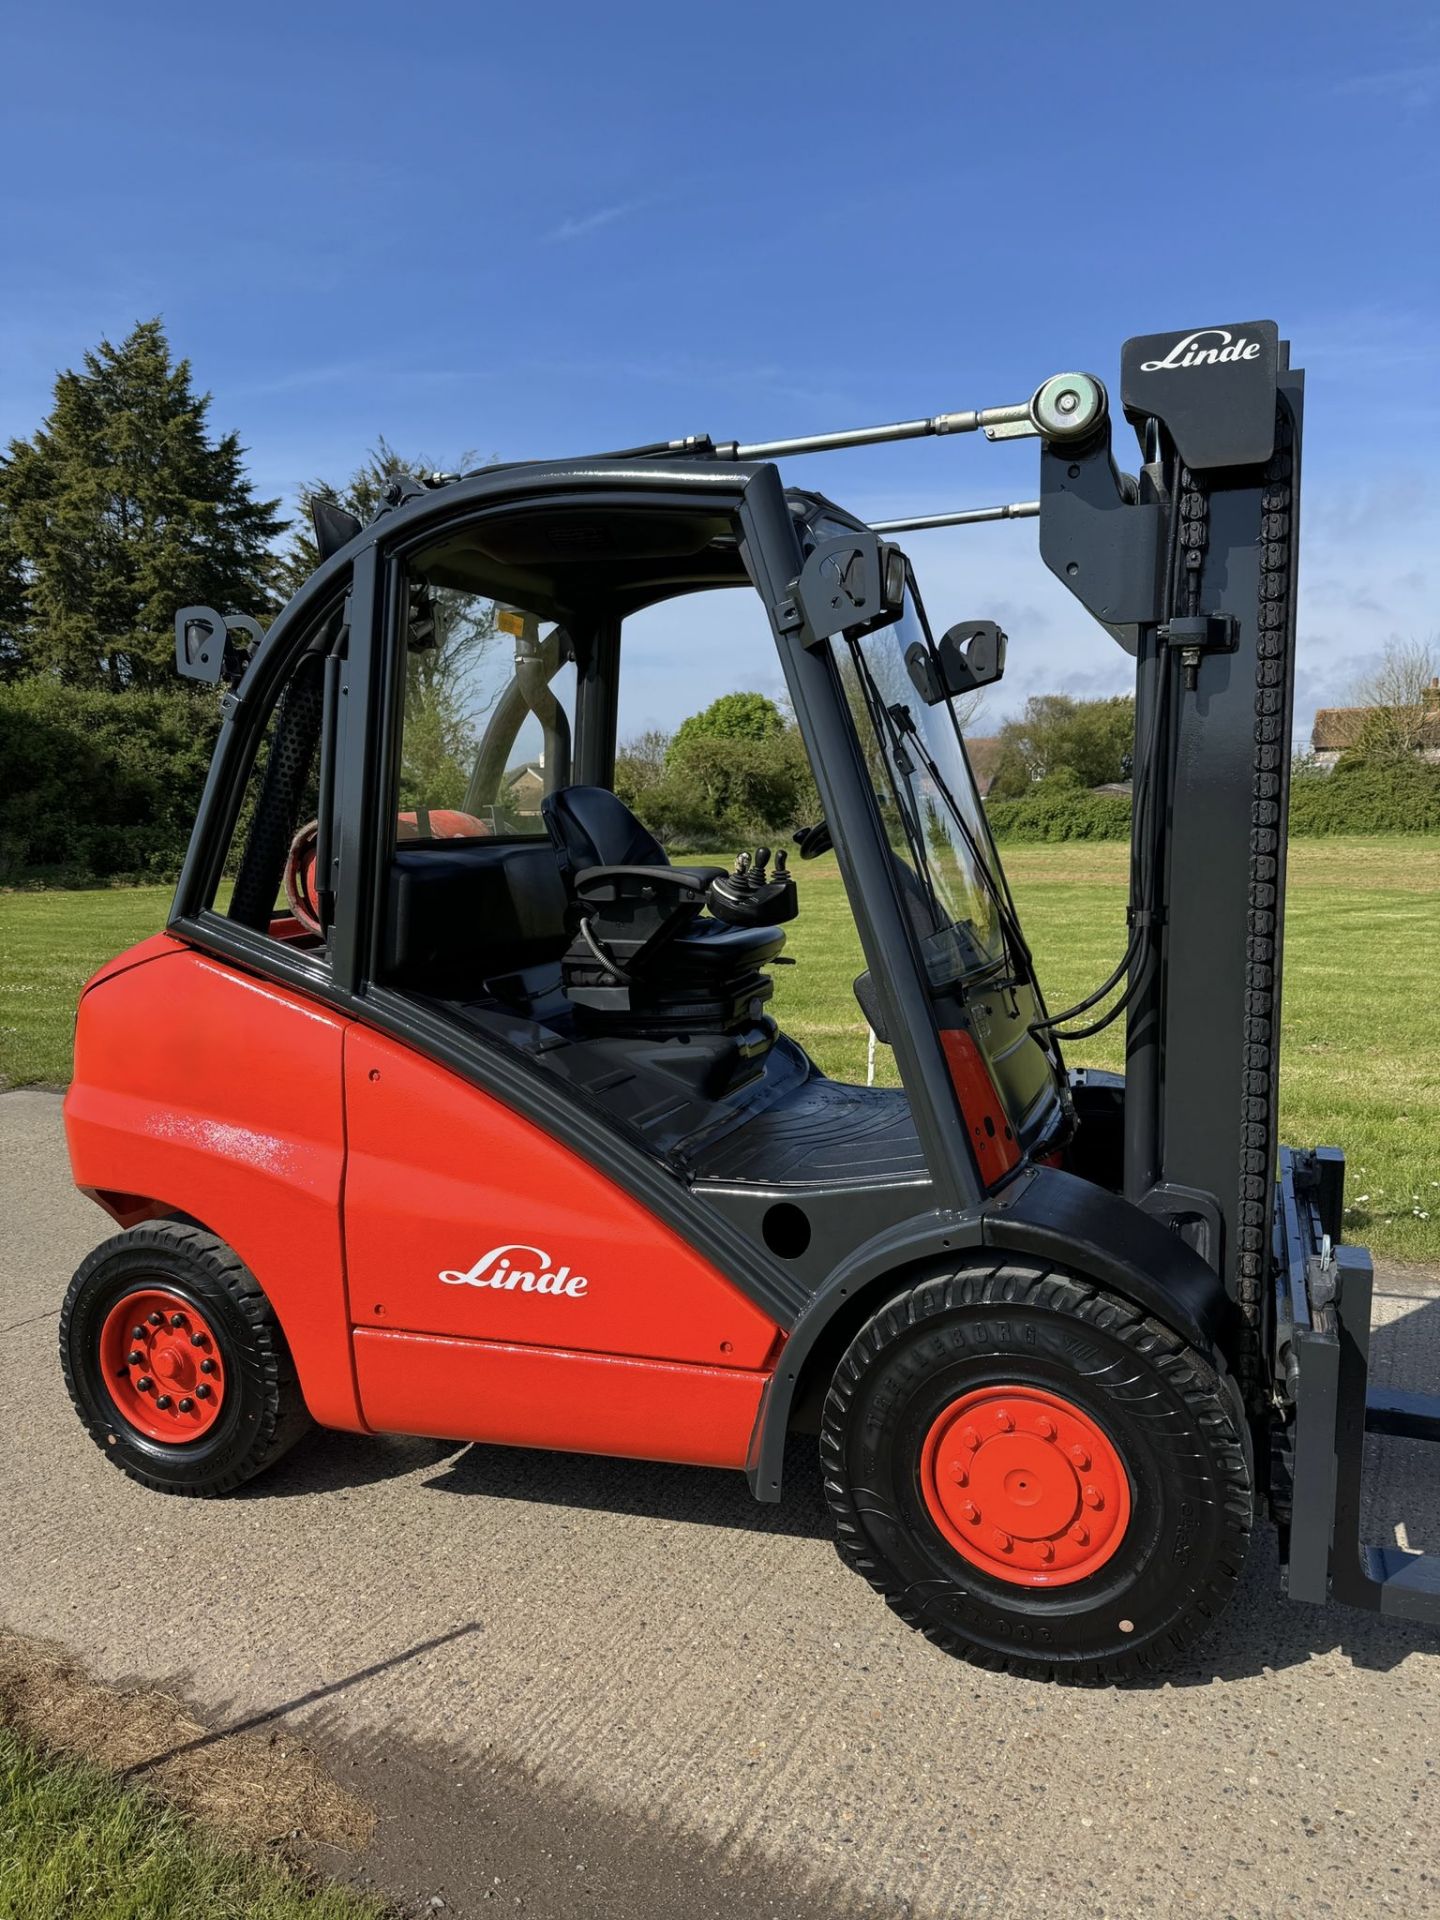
(104, 786)
(1367, 796)
(1054, 812)
(99, 786)
(1359, 797)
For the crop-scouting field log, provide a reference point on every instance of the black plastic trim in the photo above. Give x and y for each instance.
(1045, 1213)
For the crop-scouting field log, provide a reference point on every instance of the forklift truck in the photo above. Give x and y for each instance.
(457, 1119)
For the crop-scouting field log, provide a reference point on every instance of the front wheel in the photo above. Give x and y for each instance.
(1037, 1475)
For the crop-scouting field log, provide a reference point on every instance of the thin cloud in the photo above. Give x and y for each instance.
(575, 227)
(1412, 88)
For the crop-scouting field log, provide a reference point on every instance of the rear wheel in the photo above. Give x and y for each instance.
(175, 1362)
(1037, 1475)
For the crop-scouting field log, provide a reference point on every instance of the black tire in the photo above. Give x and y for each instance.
(262, 1413)
(1173, 1416)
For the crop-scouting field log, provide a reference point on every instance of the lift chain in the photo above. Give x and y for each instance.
(1262, 1012)
(1262, 931)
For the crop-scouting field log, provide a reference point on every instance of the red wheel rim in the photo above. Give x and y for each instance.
(162, 1365)
(1025, 1486)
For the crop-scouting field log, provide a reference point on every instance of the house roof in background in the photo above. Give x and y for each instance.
(1337, 728)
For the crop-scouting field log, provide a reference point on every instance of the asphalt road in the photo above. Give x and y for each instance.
(580, 1687)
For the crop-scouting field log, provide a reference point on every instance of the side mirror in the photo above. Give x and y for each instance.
(334, 526)
(851, 586)
(203, 648)
(972, 655)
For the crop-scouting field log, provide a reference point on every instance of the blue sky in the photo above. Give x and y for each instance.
(550, 229)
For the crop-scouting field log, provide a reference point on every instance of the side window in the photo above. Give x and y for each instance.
(489, 703)
(270, 882)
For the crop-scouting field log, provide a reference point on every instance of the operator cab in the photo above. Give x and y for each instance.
(521, 903)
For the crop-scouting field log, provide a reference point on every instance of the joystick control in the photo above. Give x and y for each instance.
(753, 894)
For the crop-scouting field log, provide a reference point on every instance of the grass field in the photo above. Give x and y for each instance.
(1361, 1058)
(74, 1845)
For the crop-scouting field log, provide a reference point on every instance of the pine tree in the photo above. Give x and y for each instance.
(14, 602)
(361, 495)
(121, 510)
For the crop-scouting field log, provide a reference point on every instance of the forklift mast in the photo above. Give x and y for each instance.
(1192, 569)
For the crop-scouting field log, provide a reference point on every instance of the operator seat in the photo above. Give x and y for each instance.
(592, 827)
(645, 957)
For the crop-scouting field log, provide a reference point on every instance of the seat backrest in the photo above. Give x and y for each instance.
(590, 827)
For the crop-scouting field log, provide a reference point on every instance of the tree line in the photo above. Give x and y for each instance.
(126, 504)
(123, 506)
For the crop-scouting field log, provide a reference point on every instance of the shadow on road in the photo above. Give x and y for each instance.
(473, 1831)
(700, 1496)
(327, 1461)
(253, 1722)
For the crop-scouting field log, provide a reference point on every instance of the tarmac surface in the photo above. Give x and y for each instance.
(588, 1687)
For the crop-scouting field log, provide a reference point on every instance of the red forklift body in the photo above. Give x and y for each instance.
(386, 1201)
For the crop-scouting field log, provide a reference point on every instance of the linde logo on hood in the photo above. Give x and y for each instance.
(1190, 353)
(530, 1273)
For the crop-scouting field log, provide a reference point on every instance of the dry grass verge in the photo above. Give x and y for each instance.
(261, 1790)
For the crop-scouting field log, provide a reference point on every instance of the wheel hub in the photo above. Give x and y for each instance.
(162, 1365)
(1025, 1486)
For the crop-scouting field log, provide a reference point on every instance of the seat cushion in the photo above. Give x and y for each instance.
(712, 944)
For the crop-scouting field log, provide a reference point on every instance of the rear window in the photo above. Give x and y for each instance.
(489, 707)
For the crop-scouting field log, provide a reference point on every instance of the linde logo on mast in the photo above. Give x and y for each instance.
(1189, 353)
(500, 1268)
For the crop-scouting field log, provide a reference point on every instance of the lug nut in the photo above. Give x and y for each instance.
(1080, 1535)
(197, 1340)
(177, 1319)
(969, 1438)
(137, 1333)
(207, 1366)
(162, 1400)
(1046, 1551)
(1093, 1497)
(156, 1320)
(187, 1405)
(1004, 1420)
(144, 1383)
(1045, 1428)
(1080, 1457)
(134, 1358)
(1003, 1540)
(202, 1392)
(969, 1511)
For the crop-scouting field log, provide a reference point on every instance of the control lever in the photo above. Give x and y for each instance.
(754, 895)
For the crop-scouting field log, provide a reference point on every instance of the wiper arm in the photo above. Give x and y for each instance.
(885, 727)
(1017, 952)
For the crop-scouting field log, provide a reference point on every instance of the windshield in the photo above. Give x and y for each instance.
(927, 798)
